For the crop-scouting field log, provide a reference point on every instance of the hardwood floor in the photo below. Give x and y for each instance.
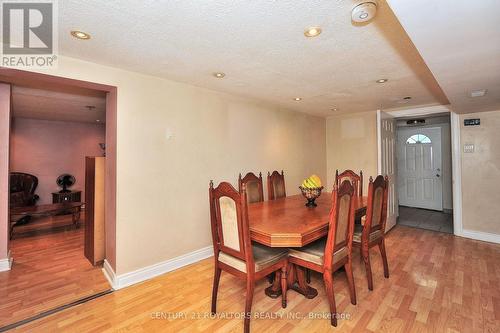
(49, 270)
(438, 283)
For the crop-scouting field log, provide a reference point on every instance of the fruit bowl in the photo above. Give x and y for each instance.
(311, 193)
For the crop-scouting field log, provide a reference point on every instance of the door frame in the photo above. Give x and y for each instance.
(5, 123)
(15, 76)
(456, 174)
(456, 157)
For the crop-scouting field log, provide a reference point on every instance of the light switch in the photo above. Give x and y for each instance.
(169, 134)
(468, 148)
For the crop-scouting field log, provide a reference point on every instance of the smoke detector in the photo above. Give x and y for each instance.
(364, 12)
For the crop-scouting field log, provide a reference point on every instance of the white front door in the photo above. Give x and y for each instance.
(387, 161)
(419, 168)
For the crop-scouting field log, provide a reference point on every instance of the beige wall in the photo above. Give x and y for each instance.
(162, 184)
(352, 144)
(481, 173)
(48, 149)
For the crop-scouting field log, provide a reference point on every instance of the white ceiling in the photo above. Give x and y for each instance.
(260, 45)
(28, 102)
(460, 42)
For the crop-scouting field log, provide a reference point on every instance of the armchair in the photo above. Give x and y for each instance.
(22, 189)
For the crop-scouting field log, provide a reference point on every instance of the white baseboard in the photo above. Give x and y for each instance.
(479, 235)
(6, 263)
(149, 272)
(109, 273)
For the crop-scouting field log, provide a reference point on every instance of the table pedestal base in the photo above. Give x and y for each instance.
(296, 281)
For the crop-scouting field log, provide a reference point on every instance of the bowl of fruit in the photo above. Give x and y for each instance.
(311, 190)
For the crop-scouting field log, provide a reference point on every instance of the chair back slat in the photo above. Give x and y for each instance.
(254, 188)
(356, 180)
(229, 220)
(276, 185)
(376, 211)
(341, 226)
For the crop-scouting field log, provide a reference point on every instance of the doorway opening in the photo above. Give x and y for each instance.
(424, 172)
(56, 127)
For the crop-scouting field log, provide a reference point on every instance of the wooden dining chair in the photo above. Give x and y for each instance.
(255, 190)
(371, 232)
(276, 185)
(328, 255)
(356, 180)
(233, 249)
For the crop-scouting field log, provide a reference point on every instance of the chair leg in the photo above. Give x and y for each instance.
(270, 277)
(248, 304)
(350, 281)
(328, 279)
(368, 267)
(215, 289)
(381, 246)
(284, 285)
(308, 275)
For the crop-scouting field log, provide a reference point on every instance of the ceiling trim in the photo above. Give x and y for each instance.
(420, 111)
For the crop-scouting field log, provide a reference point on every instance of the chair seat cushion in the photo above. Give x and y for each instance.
(358, 231)
(315, 252)
(263, 256)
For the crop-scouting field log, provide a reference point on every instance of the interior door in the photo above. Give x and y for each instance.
(419, 165)
(387, 164)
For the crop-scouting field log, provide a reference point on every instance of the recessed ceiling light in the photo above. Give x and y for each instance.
(80, 34)
(382, 80)
(312, 32)
(219, 75)
(97, 120)
(334, 109)
(297, 99)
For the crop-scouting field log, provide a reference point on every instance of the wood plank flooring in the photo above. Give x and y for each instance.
(49, 270)
(438, 283)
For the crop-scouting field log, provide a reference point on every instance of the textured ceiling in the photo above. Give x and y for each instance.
(460, 42)
(60, 105)
(260, 46)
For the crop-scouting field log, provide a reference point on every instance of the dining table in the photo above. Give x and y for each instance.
(287, 222)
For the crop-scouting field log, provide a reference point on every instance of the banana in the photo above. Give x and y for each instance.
(316, 180)
(312, 182)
